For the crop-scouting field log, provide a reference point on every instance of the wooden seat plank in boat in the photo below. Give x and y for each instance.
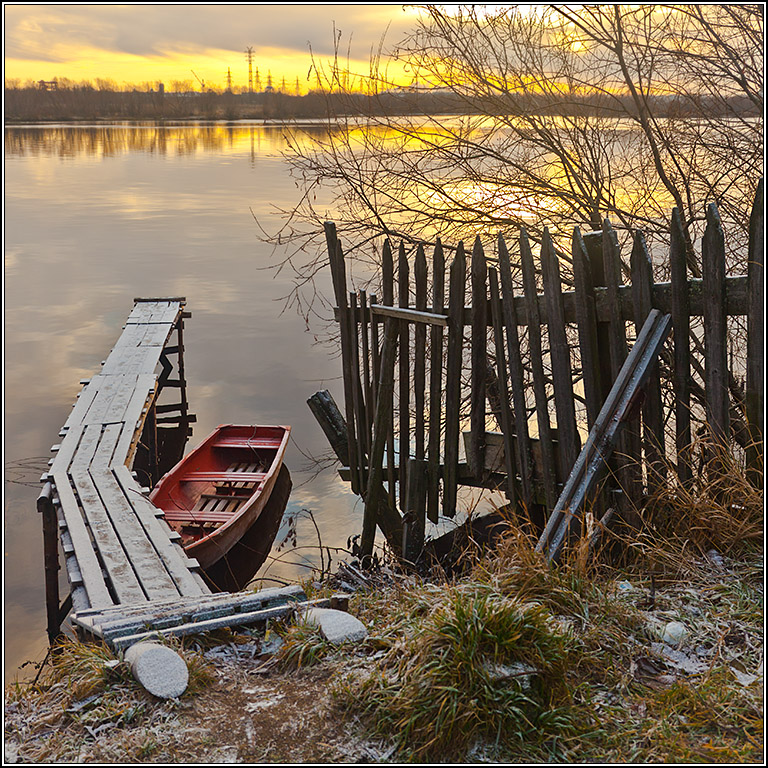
(253, 443)
(225, 477)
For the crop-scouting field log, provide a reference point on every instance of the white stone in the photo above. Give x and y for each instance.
(158, 668)
(336, 626)
(674, 633)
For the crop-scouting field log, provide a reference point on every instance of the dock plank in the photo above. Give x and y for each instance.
(151, 572)
(122, 577)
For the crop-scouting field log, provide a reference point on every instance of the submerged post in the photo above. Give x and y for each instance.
(51, 560)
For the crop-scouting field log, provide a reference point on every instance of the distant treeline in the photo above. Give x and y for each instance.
(85, 103)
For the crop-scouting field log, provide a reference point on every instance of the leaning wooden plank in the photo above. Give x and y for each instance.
(537, 369)
(516, 374)
(715, 327)
(143, 556)
(567, 435)
(603, 435)
(435, 384)
(178, 565)
(375, 363)
(457, 282)
(339, 278)
(122, 577)
(478, 359)
(755, 340)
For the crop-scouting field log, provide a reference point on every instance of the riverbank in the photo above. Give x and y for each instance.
(655, 662)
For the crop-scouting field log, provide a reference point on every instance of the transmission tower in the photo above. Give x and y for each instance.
(229, 80)
(249, 56)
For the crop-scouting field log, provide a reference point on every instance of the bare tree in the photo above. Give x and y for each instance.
(559, 116)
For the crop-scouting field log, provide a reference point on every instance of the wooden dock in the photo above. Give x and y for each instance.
(128, 574)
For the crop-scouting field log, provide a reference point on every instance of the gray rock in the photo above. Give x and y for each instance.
(674, 633)
(158, 668)
(336, 626)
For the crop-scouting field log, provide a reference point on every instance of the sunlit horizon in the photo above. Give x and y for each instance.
(194, 47)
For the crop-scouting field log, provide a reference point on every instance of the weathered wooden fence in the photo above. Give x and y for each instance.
(539, 363)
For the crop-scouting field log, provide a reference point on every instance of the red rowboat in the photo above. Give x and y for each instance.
(217, 493)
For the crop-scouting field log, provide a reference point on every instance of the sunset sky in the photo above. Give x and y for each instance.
(136, 43)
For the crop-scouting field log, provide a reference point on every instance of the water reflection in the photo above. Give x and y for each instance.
(151, 211)
(64, 141)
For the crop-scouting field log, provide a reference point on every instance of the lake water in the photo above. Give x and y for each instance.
(95, 216)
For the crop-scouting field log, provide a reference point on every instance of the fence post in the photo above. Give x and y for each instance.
(715, 327)
(516, 376)
(505, 415)
(537, 369)
(453, 378)
(560, 355)
(476, 452)
(682, 330)
(755, 340)
(404, 362)
(435, 383)
(653, 424)
(388, 296)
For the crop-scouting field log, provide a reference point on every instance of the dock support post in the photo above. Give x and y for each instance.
(51, 559)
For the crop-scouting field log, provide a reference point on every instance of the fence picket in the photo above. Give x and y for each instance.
(653, 424)
(404, 363)
(516, 376)
(453, 379)
(549, 478)
(715, 326)
(388, 295)
(435, 384)
(567, 435)
(681, 325)
(420, 353)
(586, 321)
(505, 415)
(628, 455)
(476, 453)
(755, 339)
